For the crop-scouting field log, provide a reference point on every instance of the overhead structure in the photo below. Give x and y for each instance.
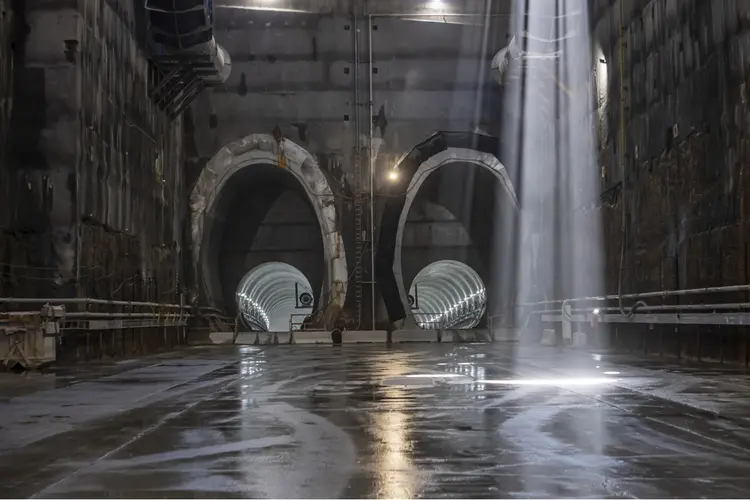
(183, 47)
(448, 294)
(269, 294)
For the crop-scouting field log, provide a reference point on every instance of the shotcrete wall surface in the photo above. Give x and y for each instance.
(686, 149)
(90, 169)
(7, 32)
(95, 168)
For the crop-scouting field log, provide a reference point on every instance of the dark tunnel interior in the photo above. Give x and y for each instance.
(444, 222)
(263, 215)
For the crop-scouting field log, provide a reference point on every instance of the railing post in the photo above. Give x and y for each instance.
(567, 317)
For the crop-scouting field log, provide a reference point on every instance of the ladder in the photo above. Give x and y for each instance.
(359, 235)
(359, 185)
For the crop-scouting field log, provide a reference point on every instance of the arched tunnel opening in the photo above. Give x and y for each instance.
(274, 297)
(264, 239)
(445, 204)
(450, 220)
(448, 294)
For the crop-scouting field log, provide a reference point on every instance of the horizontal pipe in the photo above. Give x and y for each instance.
(83, 315)
(464, 14)
(11, 314)
(271, 9)
(727, 319)
(209, 308)
(686, 307)
(14, 300)
(654, 308)
(644, 295)
(126, 327)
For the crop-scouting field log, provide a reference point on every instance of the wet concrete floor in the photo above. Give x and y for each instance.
(467, 421)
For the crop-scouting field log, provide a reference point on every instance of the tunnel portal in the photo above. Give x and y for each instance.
(261, 200)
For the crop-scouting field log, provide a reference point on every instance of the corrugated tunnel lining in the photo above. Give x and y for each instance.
(267, 296)
(408, 167)
(449, 294)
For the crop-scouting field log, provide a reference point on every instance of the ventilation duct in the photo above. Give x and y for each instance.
(183, 47)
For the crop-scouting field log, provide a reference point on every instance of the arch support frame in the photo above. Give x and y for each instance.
(263, 150)
(440, 149)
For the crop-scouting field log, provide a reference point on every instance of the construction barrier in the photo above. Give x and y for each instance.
(314, 337)
(465, 336)
(404, 336)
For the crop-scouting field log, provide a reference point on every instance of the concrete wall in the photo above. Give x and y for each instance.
(301, 72)
(130, 171)
(686, 149)
(95, 169)
(7, 32)
(39, 242)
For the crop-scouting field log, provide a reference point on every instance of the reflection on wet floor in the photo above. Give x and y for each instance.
(498, 420)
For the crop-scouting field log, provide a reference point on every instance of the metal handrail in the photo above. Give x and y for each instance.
(86, 301)
(644, 295)
(163, 319)
(611, 313)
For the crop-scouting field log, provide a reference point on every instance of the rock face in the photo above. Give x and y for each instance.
(91, 170)
(683, 187)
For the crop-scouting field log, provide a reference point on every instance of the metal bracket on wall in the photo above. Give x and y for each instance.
(180, 85)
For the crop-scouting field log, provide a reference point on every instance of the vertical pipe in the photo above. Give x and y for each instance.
(623, 180)
(372, 174)
(482, 69)
(358, 181)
